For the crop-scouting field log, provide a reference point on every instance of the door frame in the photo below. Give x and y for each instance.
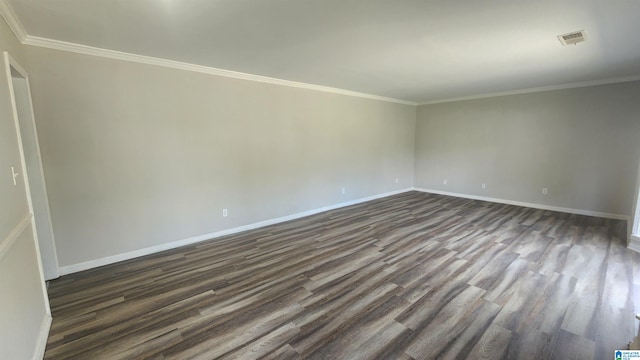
(53, 270)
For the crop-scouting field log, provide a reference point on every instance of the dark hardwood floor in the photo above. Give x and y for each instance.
(412, 276)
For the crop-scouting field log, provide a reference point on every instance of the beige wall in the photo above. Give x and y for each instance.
(137, 156)
(13, 202)
(23, 312)
(582, 144)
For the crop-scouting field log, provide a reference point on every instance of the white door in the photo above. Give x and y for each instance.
(32, 165)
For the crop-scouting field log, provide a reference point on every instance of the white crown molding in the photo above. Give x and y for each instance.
(12, 20)
(16, 26)
(536, 89)
(149, 60)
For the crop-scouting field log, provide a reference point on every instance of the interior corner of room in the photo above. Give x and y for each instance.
(107, 156)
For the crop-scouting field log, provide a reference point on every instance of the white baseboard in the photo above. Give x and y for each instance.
(68, 269)
(531, 205)
(43, 335)
(634, 243)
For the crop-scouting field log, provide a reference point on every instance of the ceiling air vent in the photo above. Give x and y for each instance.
(573, 38)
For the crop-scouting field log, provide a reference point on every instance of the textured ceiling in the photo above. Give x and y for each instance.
(419, 51)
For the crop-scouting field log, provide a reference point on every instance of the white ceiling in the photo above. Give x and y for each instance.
(415, 50)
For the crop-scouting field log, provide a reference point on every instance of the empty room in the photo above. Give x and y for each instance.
(293, 179)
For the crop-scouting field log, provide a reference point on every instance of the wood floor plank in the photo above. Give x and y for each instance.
(317, 333)
(470, 331)
(365, 338)
(557, 298)
(553, 259)
(266, 344)
(502, 288)
(433, 338)
(410, 276)
(581, 318)
(492, 345)
(530, 344)
(523, 306)
(570, 346)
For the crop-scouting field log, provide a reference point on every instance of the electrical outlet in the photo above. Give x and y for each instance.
(545, 191)
(225, 212)
(484, 186)
(444, 181)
